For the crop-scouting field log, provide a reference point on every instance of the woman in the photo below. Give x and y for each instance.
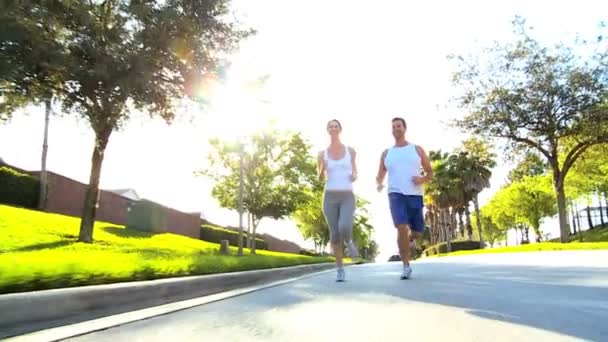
(338, 168)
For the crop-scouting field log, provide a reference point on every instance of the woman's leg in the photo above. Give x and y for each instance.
(345, 222)
(331, 210)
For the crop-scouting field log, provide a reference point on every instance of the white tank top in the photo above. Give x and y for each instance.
(339, 172)
(402, 164)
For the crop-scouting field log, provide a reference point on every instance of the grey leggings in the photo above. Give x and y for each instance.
(339, 208)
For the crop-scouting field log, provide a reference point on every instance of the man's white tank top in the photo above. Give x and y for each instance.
(339, 172)
(402, 164)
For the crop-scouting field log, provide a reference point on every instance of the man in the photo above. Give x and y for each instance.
(404, 163)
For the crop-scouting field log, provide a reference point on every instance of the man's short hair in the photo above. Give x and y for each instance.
(402, 121)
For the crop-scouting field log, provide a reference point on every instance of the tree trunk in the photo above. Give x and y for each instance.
(448, 233)
(454, 224)
(478, 215)
(538, 234)
(589, 220)
(254, 224)
(437, 226)
(249, 236)
(43, 173)
(578, 219)
(240, 204)
(601, 211)
(452, 218)
(558, 184)
(461, 224)
(526, 232)
(469, 225)
(92, 194)
(573, 217)
(606, 202)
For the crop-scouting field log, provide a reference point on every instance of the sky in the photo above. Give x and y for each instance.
(360, 62)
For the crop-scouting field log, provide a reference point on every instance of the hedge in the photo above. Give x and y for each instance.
(216, 234)
(308, 252)
(442, 247)
(18, 188)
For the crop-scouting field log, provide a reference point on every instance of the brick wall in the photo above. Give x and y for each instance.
(278, 245)
(274, 244)
(66, 196)
(183, 224)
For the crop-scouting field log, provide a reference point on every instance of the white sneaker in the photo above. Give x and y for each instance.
(352, 249)
(407, 272)
(341, 276)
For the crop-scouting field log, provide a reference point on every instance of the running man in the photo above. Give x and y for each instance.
(404, 163)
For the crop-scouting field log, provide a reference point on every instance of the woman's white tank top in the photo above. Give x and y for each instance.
(339, 172)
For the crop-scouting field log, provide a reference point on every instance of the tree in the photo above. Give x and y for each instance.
(491, 230)
(473, 164)
(530, 165)
(532, 200)
(313, 226)
(498, 209)
(362, 228)
(535, 97)
(110, 57)
(278, 171)
(373, 250)
(30, 67)
(310, 220)
(589, 176)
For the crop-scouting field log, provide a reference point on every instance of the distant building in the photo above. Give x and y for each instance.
(127, 193)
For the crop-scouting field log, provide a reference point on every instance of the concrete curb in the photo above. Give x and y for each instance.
(27, 312)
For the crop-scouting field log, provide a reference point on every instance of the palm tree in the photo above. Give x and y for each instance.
(475, 161)
(441, 193)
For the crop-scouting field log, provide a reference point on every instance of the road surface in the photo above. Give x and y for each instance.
(549, 296)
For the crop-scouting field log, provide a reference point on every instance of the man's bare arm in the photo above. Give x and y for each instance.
(426, 165)
(381, 171)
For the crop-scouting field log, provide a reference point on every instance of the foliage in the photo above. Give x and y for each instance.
(442, 247)
(536, 247)
(18, 189)
(535, 97)
(313, 226)
(38, 252)
(102, 59)
(458, 178)
(522, 204)
(491, 231)
(590, 174)
(216, 234)
(530, 165)
(277, 173)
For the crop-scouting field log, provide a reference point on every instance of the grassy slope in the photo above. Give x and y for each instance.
(593, 239)
(40, 251)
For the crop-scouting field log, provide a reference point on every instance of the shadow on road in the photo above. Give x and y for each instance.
(569, 301)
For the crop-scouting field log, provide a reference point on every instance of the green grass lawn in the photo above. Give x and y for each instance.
(596, 238)
(40, 251)
(596, 234)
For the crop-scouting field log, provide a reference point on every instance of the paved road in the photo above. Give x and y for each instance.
(554, 296)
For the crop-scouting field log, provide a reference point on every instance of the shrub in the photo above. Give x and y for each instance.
(308, 252)
(216, 234)
(442, 247)
(18, 188)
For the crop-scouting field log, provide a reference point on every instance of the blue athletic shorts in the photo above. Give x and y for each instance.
(407, 209)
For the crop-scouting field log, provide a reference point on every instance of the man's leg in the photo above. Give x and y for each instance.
(415, 219)
(403, 242)
(398, 208)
